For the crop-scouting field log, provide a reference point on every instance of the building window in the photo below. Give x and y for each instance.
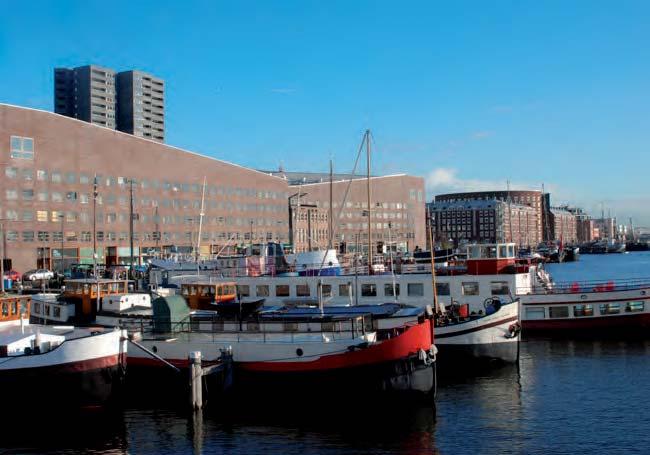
(11, 195)
(22, 147)
(28, 236)
(56, 177)
(43, 236)
(41, 215)
(41, 175)
(11, 172)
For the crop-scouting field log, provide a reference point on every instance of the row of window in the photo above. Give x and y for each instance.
(586, 310)
(368, 289)
(25, 145)
(86, 236)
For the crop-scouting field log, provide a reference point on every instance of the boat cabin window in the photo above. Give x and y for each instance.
(634, 306)
(470, 288)
(86, 288)
(290, 326)
(37, 307)
(580, 311)
(56, 312)
(388, 289)
(5, 309)
(443, 289)
(415, 289)
(262, 290)
(302, 290)
(205, 290)
(369, 290)
(489, 251)
(243, 290)
(511, 251)
(500, 288)
(503, 251)
(558, 312)
(185, 290)
(14, 307)
(474, 252)
(345, 290)
(47, 310)
(282, 290)
(610, 308)
(326, 290)
(535, 313)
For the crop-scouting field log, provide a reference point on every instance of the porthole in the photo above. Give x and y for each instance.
(154, 349)
(299, 352)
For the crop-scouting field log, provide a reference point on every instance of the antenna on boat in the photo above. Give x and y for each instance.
(367, 137)
(392, 265)
(436, 304)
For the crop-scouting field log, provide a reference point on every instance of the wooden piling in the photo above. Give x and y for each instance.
(196, 380)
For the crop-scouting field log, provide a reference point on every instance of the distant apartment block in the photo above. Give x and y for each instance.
(86, 93)
(481, 220)
(130, 101)
(141, 105)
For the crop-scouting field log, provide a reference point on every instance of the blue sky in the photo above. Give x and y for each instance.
(467, 94)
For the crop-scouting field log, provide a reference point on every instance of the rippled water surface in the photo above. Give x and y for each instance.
(564, 397)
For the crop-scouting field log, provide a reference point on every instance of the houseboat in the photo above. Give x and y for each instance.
(57, 365)
(381, 348)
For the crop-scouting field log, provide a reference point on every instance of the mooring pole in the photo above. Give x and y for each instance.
(196, 380)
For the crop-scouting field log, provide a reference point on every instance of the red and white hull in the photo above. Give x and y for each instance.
(86, 368)
(492, 337)
(309, 359)
(602, 313)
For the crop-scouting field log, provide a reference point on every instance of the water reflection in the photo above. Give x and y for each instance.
(569, 396)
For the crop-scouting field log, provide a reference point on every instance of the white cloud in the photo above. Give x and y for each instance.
(482, 134)
(283, 90)
(446, 180)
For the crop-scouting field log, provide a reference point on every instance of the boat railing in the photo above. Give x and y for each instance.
(578, 287)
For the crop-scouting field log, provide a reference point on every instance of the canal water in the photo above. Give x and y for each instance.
(564, 397)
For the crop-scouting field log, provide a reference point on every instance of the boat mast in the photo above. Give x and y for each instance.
(436, 305)
(131, 215)
(198, 240)
(369, 197)
(392, 265)
(331, 214)
(509, 211)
